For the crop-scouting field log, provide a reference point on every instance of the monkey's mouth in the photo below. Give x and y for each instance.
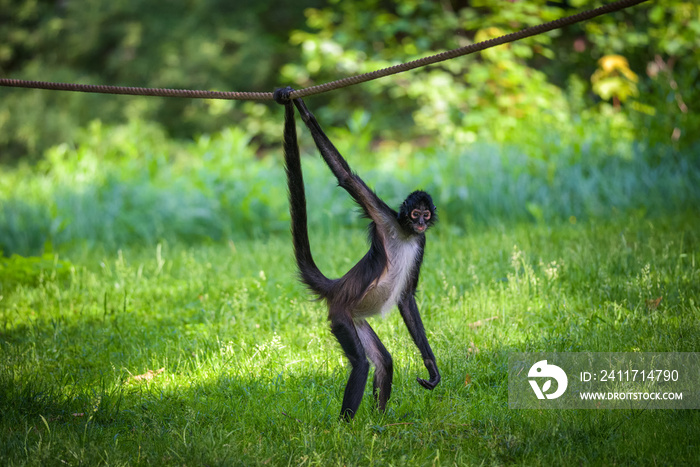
(420, 228)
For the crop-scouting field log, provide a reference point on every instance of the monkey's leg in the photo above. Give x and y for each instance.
(383, 364)
(344, 330)
(411, 316)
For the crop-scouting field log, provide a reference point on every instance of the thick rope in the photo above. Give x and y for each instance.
(341, 83)
(132, 91)
(466, 50)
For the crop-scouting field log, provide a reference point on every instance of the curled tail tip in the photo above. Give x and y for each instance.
(283, 95)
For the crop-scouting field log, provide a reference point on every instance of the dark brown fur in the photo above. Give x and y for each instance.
(387, 275)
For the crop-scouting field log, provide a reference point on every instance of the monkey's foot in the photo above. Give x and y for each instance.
(434, 376)
(428, 384)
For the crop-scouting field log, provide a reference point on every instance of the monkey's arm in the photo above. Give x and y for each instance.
(373, 206)
(411, 316)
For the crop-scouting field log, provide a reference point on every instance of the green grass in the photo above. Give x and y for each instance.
(132, 185)
(252, 374)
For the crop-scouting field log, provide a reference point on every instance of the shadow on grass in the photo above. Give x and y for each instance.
(206, 411)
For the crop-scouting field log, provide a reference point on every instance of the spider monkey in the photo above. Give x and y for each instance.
(386, 276)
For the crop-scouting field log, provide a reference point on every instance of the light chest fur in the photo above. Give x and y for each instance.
(386, 291)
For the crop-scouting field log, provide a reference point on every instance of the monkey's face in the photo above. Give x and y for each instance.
(417, 213)
(420, 219)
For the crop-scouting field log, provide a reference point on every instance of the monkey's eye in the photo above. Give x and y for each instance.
(426, 215)
(415, 214)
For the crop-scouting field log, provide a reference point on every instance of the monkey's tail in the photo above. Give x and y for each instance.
(308, 271)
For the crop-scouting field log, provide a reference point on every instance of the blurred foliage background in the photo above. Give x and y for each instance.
(590, 120)
(568, 78)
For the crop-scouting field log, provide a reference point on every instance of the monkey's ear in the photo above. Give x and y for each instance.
(404, 213)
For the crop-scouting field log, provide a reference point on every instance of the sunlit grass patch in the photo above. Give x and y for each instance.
(214, 354)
